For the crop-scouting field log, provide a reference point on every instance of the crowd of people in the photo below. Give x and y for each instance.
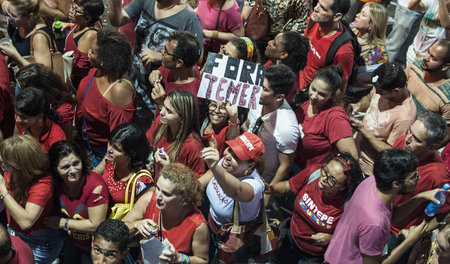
(346, 147)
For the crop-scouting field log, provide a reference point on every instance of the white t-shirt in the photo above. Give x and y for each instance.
(221, 208)
(279, 133)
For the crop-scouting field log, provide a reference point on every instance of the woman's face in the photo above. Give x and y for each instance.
(94, 60)
(168, 114)
(233, 165)
(16, 18)
(70, 168)
(76, 13)
(166, 195)
(319, 93)
(27, 122)
(6, 167)
(332, 178)
(218, 114)
(116, 154)
(229, 49)
(362, 20)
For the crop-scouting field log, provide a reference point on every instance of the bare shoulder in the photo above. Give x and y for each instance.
(122, 93)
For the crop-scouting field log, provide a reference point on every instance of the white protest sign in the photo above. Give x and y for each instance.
(230, 79)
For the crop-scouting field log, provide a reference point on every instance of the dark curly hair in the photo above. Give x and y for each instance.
(54, 89)
(31, 102)
(92, 9)
(393, 165)
(115, 231)
(297, 48)
(281, 78)
(63, 149)
(188, 48)
(331, 75)
(114, 51)
(134, 144)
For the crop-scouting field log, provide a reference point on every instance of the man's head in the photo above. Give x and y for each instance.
(278, 82)
(330, 11)
(395, 171)
(181, 50)
(291, 48)
(389, 80)
(425, 135)
(5, 245)
(437, 59)
(109, 244)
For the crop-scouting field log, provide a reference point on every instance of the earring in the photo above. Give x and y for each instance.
(246, 172)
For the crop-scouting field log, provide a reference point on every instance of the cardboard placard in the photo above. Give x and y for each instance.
(229, 79)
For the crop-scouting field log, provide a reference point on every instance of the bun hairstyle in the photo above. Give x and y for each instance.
(331, 75)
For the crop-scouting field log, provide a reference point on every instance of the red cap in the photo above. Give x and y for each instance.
(247, 146)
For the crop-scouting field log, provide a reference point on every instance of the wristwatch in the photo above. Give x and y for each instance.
(66, 224)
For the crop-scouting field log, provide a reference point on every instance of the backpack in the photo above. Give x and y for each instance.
(346, 36)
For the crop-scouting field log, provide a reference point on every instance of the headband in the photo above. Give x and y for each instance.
(249, 47)
(346, 165)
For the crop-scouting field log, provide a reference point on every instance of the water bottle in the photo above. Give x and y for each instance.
(440, 196)
(57, 28)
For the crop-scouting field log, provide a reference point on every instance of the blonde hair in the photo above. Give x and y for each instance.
(378, 23)
(26, 6)
(185, 104)
(186, 183)
(25, 154)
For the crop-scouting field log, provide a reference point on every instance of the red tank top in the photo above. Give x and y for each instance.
(181, 235)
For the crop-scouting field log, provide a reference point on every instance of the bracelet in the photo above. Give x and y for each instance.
(2, 196)
(184, 258)
(215, 34)
(233, 125)
(66, 224)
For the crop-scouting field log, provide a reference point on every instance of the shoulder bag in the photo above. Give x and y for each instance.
(257, 27)
(254, 241)
(56, 56)
(120, 210)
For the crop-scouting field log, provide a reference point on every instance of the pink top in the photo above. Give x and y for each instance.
(230, 20)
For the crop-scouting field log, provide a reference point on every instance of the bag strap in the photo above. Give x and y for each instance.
(51, 45)
(313, 176)
(133, 181)
(236, 229)
(84, 130)
(218, 15)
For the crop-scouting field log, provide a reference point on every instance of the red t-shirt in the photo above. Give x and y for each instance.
(313, 212)
(101, 115)
(290, 96)
(433, 174)
(41, 194)
(170, 85)
(318, 52)
(189, 153)
(181, 235)
(220, 135)
(78, 208)
(51, 133)
(81, 64)
(117, 188)
(321, 131)
(23, 255)
(6, 101)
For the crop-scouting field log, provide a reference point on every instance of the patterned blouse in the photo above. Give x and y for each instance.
(287, 14)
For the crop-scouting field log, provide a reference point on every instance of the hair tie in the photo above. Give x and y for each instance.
(375, 79)
(346, 166)
(249, 47)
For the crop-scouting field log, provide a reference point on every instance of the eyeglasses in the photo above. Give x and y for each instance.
(75, 11)
(330, 180)
(213, 107)
(258, 124)
(414, 178)
(11, 16)
(164, 53)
